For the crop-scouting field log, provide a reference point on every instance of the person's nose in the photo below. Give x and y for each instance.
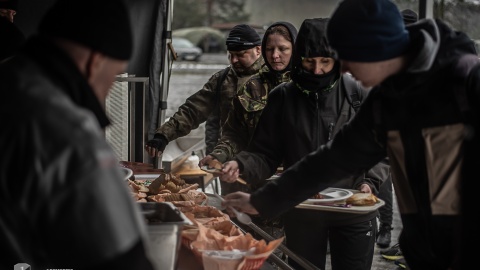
(276, 54)
(318, 69)
(10, 16)
(233, 60)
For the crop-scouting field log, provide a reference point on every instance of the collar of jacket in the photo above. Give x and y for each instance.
(327, 89)
(274, 77)
(63, 72)
(254, 68)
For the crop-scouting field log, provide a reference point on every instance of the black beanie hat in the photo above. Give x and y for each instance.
(242, 37)
(102, 25)
(9, 4)
(367, 31)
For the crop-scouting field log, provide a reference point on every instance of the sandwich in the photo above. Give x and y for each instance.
(362, 199)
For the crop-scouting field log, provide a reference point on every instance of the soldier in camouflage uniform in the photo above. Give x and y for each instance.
(277, 48)
(244, 54)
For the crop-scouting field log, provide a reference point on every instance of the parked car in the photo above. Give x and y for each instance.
(186, 50)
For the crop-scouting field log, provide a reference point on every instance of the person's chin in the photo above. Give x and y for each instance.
(278, 67)
(238, 68)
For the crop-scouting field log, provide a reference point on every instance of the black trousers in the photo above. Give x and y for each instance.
(386, 193)
(351, 246)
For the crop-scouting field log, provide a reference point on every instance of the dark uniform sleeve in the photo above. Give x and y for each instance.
(234, 134)
(196, 109)
(212, 129)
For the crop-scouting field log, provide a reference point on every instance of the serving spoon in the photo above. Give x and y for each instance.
(242, 217)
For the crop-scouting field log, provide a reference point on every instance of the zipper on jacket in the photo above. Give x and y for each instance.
(316, 129)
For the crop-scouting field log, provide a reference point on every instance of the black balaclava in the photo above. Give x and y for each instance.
(312, 42)
(293, 35)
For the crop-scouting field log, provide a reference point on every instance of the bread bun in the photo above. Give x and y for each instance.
(362, 199)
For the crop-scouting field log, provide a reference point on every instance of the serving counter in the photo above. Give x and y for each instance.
(187, 259)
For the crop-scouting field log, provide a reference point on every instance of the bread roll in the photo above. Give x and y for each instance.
(362, 199)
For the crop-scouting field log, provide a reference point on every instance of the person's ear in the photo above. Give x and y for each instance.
(93, 65)
(258, 50)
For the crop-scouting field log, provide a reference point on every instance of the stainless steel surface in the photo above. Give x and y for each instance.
(165, 224)
(136, 142)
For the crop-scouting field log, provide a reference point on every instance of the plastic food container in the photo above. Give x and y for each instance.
(165, 223)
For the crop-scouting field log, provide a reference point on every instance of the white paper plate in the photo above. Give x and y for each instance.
(332, 195)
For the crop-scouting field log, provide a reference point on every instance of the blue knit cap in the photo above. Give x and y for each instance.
(367, 31)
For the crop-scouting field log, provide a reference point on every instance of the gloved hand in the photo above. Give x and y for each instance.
(155, 146)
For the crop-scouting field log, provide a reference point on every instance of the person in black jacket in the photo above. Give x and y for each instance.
(299, 117)
(64, 203)
(422, 113)
(386, 190)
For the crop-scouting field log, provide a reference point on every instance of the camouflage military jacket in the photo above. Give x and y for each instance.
(248, 104)
(199, 106)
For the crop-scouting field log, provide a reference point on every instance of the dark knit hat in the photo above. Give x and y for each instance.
(367, 31)
(242, 37)
(9, 4)
(409, 16)
(102, 25)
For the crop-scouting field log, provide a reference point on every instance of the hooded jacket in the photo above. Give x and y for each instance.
(249, 102)
(415, 119)
(297, 120)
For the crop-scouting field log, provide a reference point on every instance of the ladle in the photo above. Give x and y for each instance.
(242, 217)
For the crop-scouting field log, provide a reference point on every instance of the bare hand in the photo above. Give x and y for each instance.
(240, 201)
(364, 188)
(205, 161)
(230, 172)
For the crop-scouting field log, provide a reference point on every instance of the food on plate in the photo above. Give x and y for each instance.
(317, 196)
(362, 199)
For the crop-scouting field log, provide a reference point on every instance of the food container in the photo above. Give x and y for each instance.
(164, 223)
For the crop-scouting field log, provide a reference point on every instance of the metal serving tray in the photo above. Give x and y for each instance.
(164, 223)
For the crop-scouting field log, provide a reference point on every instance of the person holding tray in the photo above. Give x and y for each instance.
(299, 117)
